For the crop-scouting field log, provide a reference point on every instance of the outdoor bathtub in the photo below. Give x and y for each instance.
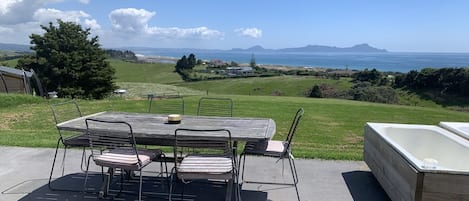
(418, 162)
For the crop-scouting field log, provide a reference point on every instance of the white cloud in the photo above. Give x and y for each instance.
(6, 30)
(135, 21)
(18, 11)
(19, 33)
(130, 19)
(45, 16)
(92, 24)
(180, 33)
(21, 18)
(84, 1)
(249, 32)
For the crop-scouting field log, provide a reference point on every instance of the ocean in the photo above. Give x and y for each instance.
(389, 61)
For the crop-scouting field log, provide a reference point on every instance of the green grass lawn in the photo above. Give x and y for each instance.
(330, 129)
(11, 63)
(145, 72)
(284, 85)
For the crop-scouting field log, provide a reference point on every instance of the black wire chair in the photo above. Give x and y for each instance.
(63, 112)
(208, 158)
(113, 145)
(274, 148)
(211, 106)
(166, 104)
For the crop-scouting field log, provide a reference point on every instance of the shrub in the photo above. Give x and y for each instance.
(364, 91)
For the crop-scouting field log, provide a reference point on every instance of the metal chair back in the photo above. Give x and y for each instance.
(65, 111)
(296, 120)
(166, 104)
(105, 136)
(208, 157)
(210, 106)
(188, 141)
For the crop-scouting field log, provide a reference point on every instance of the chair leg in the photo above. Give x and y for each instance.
(229, 190)
(83, 159)
(63, 160)
(86, 175)
(243, 158)
(140, 187)
(294, 175)
(53, 165)
(171, 185)
(291, 162)
(183, 189)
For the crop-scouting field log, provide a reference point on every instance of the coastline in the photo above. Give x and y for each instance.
(173, 60)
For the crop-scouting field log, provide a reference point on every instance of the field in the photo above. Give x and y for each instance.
(331, 128)
(145, 73)
(281, 85)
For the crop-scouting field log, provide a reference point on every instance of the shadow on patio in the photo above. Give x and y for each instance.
(153, 189)
(23, 173)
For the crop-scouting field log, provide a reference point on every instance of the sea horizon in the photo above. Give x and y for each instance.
(382, 61)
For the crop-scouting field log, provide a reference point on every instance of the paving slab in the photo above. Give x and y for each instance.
(24, 173)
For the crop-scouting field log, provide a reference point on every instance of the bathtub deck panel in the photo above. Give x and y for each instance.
(444, 197)
(397, 177)
(400, 168)
(443, 187)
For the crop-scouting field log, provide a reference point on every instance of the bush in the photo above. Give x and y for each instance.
(364, 91)
(315, 92)
(326, 91)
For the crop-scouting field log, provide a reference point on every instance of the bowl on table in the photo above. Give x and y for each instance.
(174, 119)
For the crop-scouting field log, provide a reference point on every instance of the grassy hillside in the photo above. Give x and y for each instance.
(283, 85)
(145, 73)
(164, 74)
(331, 129)
(10, 63)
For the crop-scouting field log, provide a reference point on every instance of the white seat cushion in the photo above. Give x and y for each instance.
(122, 158)
(125, 158)
(204, 164)
(275, 146)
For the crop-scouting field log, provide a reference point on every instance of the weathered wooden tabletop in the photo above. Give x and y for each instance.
(156, 125)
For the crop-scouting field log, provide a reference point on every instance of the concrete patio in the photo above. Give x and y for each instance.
(24, 173)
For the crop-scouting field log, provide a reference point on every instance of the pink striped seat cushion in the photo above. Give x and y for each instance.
(275, 146)
(205, 167)
(126, 159)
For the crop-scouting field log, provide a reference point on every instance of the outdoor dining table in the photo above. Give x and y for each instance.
(156, 126)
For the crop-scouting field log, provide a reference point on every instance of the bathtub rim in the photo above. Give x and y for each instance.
(379, 128)
(455, 128)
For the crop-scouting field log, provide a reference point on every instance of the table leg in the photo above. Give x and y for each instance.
(234, 183)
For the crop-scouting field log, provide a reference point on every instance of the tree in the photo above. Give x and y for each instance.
(191, 61)
(181, 64)
(252, 63)
(186, 63)
(69, 61)
(372, 76)
(315, 92)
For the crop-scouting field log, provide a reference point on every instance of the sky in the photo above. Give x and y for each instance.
(397, 26)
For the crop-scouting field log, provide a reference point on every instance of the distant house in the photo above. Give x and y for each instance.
(15, 81)
(238, 71)
(216, 63)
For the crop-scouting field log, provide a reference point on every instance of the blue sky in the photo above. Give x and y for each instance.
(399, 25)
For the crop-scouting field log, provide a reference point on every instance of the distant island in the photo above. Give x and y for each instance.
(316, 48)
(365, 48)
